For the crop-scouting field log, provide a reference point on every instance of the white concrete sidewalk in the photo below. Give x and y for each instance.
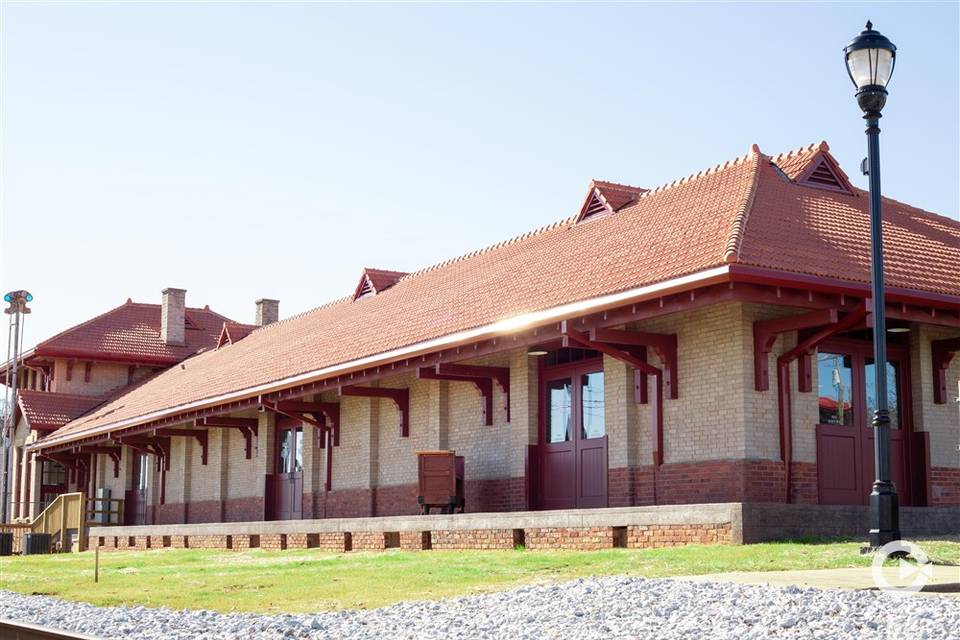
(939, 579)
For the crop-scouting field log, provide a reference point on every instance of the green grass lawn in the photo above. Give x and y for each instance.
(302, 581)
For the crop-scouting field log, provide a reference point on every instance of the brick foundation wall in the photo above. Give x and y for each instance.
(243, 510)
(170, 514)
(179, 542)
(369, 541)
(242, 542)
(726, 481)
(630, 487)
(211, 542)
(415, 540)
(581, 539)
(273, 541)
(398, 500)
(657, 536)
(944, 487)
(474, 539)
(803, 489)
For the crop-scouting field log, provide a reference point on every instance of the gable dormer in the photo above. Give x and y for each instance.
(814, 166)
(607, 197)
(824, 173)
(374, 281)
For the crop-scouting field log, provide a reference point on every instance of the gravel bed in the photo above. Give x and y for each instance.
(617, 607)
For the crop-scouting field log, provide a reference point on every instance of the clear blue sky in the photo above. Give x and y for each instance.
(250, 150)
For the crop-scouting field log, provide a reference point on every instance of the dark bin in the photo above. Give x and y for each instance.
(6, 544)
(36, 543)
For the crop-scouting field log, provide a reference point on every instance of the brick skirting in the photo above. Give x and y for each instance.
(944, 487)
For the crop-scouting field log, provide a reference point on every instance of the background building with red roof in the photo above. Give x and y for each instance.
(71, 373)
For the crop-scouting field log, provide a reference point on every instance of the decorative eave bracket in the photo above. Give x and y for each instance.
(400, 397)
(249, 427)
(663, 344)
(765, 333)
(480, 376)
(322, 415)
(200, 434)
(942, 352)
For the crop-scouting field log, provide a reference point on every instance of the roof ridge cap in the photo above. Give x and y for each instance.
(694, 176)
(739, 228)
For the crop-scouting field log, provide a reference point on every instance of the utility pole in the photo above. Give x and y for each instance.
(16, 309)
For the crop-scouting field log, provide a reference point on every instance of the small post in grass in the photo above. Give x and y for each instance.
(96, 564)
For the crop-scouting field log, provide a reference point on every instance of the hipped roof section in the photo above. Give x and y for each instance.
(747, 210)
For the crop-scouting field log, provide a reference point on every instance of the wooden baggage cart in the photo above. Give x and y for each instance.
(440, 481)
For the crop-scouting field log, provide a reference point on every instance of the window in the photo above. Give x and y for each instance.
(835, 378)
(560, 413)
(592, 403)
(52, 473)
(290, 451)
(893, 391)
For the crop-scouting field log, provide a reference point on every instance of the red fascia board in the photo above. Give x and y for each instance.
(99, 356)
(772, 277)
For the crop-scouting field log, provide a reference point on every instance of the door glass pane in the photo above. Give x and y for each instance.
(591, 395)
(559, 412)
(835, 379)
(142, 473)
(893, 391)
(299, 449)
(284, 461)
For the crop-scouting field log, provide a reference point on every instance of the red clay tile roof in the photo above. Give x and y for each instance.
(44, 410)
(743, 211)
(131, 333)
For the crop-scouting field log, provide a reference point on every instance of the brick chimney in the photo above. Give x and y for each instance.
(268, 311)
(172, 319)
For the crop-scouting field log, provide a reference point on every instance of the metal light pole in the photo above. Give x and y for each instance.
(870, 59)
(17, 307)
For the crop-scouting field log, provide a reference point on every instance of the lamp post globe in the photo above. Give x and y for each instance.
(870, 59)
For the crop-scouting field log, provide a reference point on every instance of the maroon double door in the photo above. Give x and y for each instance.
(573, 438)
(285, 485)
(847, 400)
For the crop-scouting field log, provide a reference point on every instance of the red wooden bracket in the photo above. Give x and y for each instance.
(158, 446)
(765, 333)
(199, 434)
(331, 411)
(113, 452)
(400, 397)
(87, 370)
(570, 336)
(663, 344)
(500, 375)
(249, 427)
(484, 386)
(943, 352)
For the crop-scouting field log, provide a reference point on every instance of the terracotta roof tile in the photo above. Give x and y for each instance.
(132, 332)
(44, 410)
(742, 210)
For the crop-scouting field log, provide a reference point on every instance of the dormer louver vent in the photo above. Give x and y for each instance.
(374, 281)
(607, 197)
(824, 176)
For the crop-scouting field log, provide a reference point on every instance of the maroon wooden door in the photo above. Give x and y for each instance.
(285, 486)
(573, 464)
(847, 399)
(135, 500)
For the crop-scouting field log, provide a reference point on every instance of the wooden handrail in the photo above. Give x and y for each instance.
(64, 513)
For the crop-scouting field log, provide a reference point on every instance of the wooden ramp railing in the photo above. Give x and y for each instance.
(67, 516)
(62, 518)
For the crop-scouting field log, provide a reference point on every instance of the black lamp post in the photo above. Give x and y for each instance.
(870, 59)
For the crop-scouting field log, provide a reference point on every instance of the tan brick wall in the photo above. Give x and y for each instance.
(942, 421)
(104, 377)
(485, 448)
(707, 421)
